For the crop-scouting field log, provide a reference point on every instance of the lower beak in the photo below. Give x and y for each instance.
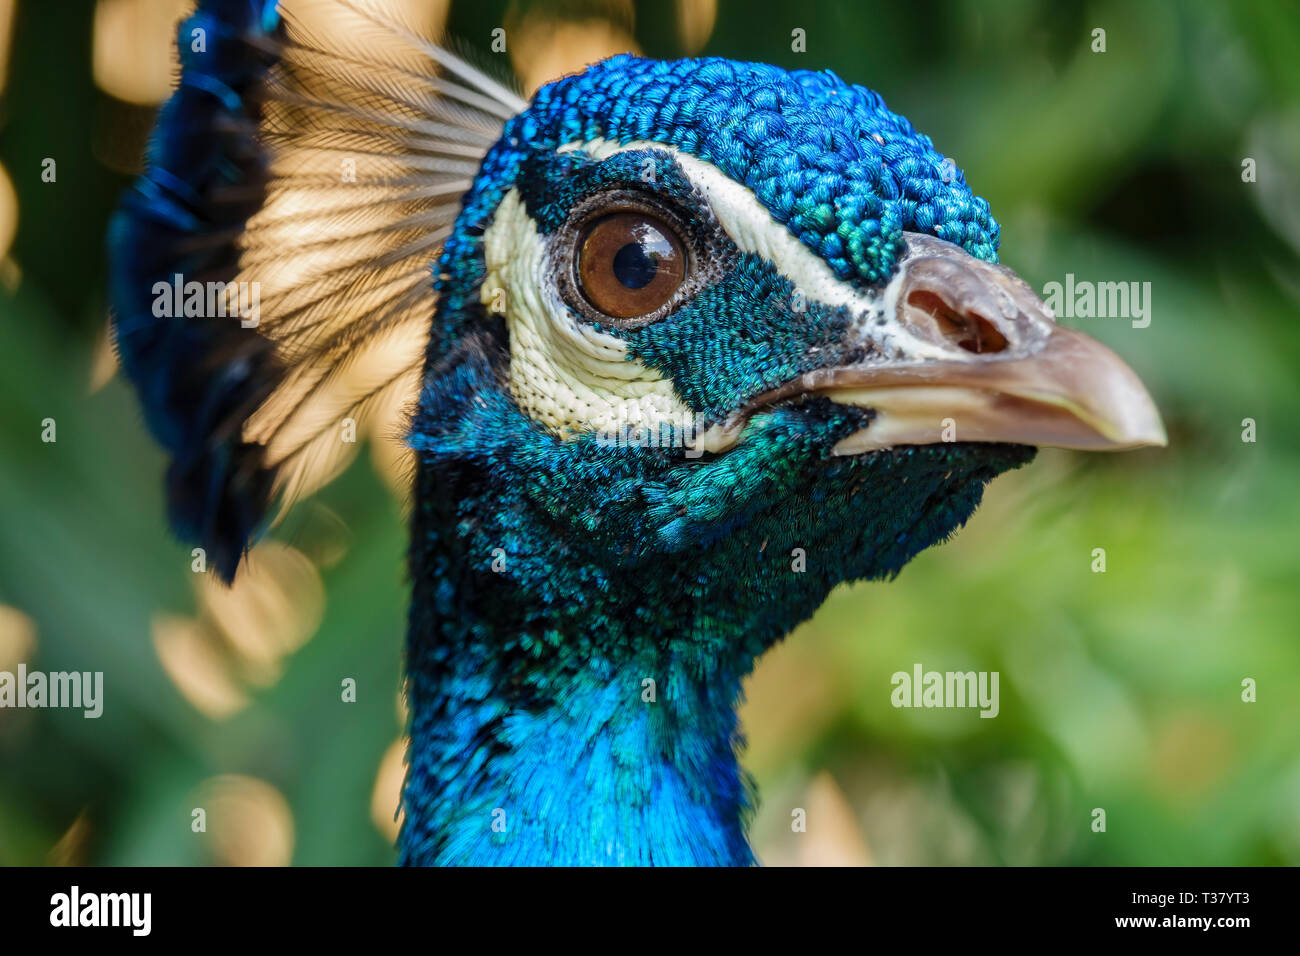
(993, 366)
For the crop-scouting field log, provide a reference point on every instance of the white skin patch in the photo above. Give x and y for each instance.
(573, 379)
(565, 374)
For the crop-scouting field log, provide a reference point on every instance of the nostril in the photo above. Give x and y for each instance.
(972, 332)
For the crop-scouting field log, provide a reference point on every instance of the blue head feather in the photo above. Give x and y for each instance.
(826, 158)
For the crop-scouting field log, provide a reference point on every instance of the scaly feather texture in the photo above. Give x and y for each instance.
(613, 517)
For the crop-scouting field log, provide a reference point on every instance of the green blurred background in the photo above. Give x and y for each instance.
(1119, 690)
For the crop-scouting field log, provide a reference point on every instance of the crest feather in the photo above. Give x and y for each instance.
(325, 169)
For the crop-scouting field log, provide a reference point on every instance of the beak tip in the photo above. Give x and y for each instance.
(1145, 428)
(1157, 438)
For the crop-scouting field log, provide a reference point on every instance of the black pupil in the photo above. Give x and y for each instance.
(638, 261)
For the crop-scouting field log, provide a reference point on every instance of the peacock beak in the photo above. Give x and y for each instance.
(985, 362)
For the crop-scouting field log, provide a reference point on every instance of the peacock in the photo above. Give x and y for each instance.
(685, 343)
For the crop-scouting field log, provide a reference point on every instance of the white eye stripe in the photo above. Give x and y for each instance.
(574, 380)
(753, 230)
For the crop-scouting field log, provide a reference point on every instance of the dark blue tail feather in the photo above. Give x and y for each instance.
(200, 377)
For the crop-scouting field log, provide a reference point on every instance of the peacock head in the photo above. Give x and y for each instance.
(731, 335)
(710, 338)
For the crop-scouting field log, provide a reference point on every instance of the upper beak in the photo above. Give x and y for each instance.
(992, 366)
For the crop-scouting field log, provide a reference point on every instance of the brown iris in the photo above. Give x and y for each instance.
(630, 264)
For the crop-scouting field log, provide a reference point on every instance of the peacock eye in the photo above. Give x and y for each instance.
(630, 264)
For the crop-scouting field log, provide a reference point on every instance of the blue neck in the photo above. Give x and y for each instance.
(569, 706)
(613, 769)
